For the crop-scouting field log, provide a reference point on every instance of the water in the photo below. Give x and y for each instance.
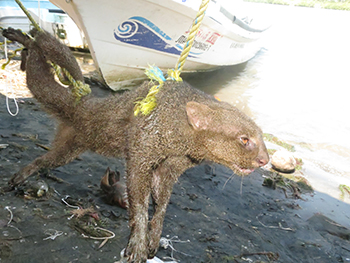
(297, 88)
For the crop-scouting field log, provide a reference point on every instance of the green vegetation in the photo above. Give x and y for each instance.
(338, 5)
(295, 183)
(271, 138)
(299, 165)
(271, 151)
(301, 181)
(344, 189)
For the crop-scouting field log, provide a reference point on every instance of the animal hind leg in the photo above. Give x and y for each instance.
(40, 79)
(40, 71)
(52, 48)
(18, 36)
(58, 53)
(64, 149)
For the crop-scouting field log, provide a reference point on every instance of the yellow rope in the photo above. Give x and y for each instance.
(175, 74)
(79, 88)
(28, 15)
(10, 58)
(7, 41)
(146, 105)
(60, 74)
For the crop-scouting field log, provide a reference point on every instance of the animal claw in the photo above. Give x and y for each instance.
(16, 180)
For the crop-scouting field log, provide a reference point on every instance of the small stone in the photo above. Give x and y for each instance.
(283, 161)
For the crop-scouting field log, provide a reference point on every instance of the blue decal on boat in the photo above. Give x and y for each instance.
(142, 32)
(151, 26)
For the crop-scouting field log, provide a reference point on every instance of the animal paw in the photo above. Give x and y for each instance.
(15, 35)
(153, 244)
(16, 180)
(134, 256)
(152, 252)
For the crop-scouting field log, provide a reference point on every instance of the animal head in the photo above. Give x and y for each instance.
(229, 137)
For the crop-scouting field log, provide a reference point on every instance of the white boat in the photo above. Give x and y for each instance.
(124, 37)
(47, 15)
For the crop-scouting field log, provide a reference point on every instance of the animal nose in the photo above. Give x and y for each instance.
(262, 161)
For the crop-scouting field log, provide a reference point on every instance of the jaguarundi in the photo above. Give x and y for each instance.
(187, 127)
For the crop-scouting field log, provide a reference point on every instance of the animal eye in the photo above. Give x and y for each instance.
(245, 141)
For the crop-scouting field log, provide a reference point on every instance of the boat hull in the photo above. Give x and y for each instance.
(47, 15)
(125, 37)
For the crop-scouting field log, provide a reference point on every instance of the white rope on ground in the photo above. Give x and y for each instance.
(166, 242)
(6, 88)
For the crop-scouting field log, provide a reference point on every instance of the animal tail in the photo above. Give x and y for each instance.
(56, 98)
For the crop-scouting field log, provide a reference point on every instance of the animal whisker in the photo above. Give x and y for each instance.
(228, 179)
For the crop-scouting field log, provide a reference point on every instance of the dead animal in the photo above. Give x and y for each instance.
(187, 127)
(114, 189)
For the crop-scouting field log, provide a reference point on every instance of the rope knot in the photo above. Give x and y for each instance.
(146, 105)
(174, 75)
(80, 90)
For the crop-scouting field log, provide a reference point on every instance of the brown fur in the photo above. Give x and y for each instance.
(186, 127)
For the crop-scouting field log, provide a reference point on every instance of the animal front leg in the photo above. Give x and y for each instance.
(138, 188)
(64, 150)
(163, 181)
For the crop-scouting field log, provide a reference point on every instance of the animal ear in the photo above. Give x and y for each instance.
(200, 116)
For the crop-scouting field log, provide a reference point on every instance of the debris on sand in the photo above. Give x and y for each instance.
(296, 184)
(114, 188)
(325, 224)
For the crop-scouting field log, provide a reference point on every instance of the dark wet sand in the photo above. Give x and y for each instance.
(220, 223)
